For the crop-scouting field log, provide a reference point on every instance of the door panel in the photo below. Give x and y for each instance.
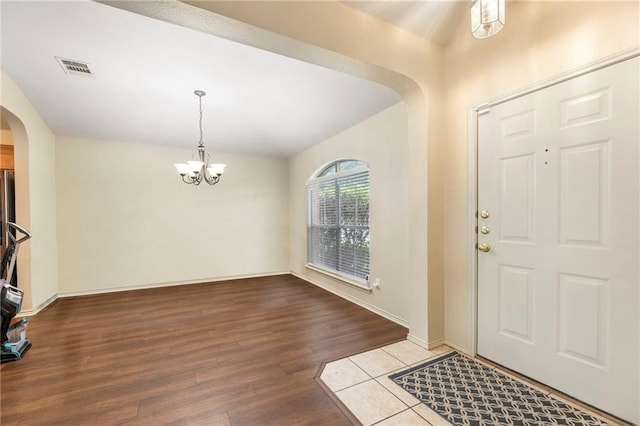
(558, 295)
(517, 199)
(584, 194)
(583, 319)
(516, 299)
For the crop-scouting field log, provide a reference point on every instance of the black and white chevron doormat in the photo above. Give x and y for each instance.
(466, 392)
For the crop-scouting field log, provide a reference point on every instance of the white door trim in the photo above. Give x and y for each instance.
(472, 168)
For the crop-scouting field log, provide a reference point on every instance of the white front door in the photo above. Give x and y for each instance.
(558, 180)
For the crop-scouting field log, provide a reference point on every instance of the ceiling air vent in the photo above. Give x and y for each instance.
(75, 67)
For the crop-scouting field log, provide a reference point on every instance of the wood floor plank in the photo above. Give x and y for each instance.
(241, 352)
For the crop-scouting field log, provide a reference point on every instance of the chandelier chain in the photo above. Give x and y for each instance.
(200, 142)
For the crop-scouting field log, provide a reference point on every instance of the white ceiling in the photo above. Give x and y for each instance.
(146, 71)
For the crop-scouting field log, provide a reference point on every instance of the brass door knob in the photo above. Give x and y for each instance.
(484, 214)
(484, 247)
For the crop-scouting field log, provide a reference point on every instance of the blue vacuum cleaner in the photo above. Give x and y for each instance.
(14, 336)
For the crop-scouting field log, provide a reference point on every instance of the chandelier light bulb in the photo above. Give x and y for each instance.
(182, 168)
(217, 169)
(195, 166)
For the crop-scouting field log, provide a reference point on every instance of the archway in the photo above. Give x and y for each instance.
(22, 205)
(350, 42)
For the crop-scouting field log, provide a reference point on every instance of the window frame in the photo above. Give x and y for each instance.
(319, 177)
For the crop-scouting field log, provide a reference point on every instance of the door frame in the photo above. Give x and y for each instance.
(473, 112)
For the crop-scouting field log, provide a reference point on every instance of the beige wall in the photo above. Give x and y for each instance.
(540, 40)
(382, 142)
(5, 132)
(126, 219)
(34, 156)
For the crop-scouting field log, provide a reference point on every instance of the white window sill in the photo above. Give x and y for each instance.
(352, 282)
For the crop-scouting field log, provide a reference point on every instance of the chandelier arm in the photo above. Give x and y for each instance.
(212, 180)
(186, 179)
(202, 155)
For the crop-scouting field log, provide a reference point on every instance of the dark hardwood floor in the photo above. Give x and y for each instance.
(242, 352)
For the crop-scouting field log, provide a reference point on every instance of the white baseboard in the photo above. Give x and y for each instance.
(418, 341)
(458, 348)
(424, 344)
(165, 284)
(34, 311)
(435, 343)
(352, 299)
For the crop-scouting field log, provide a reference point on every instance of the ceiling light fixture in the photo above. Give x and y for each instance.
(199, 169)
(487, 17)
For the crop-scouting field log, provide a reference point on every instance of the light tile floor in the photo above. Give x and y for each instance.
(361, 382)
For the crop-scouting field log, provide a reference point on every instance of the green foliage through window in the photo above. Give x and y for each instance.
(338, 218)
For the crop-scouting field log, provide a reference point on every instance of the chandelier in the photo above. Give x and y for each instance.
(487, 17)
(199, 169)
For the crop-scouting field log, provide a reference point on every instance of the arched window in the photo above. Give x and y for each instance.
(338, 219)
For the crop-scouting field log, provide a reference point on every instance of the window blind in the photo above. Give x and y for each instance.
(338, 223)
